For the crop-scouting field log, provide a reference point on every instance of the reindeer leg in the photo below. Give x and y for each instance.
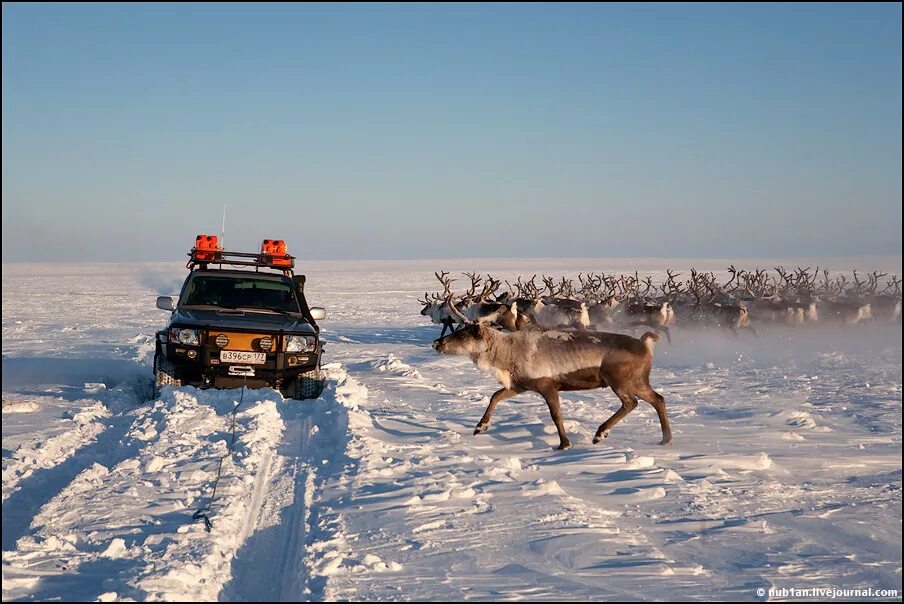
(655, 399)
(628, 403)
(443, 332)
(668, 334)
(498, 396)
(551, 394)
(449, 324)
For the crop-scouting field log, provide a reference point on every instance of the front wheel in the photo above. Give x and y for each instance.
(164, 375)
(308, 385)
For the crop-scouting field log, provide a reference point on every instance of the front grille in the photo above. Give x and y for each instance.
(240, 341)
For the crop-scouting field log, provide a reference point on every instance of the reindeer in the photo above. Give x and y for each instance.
(722, 309)
(623, 305)
(602, 306)
(791, 297)
(483, 311)
(550, 361)
(643, 310)
(521, 298)
(844, 304)
(473, 305)
(438, 308)
(771, 301)
(556, 308)
(847, 312)
(886, 306)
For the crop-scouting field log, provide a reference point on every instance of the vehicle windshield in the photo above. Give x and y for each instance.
(240, 292)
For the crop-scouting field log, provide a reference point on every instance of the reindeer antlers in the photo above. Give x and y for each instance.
(800, 284)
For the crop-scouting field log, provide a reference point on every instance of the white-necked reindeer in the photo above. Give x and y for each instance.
(474, 306)
(438, 307)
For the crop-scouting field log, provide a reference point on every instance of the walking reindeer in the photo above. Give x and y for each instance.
(549, 361)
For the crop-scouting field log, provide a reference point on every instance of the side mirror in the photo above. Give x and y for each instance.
(318, 313)
(166, 303)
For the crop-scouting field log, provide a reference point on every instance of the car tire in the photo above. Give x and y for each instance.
(308, 385)
(164, 375)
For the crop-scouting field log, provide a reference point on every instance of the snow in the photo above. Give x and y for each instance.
(784, 471)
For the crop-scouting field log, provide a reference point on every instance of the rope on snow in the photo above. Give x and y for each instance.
(205, 511)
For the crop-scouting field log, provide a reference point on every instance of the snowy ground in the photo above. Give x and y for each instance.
(784, 472)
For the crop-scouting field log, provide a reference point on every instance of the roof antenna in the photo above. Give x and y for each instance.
(223, 229)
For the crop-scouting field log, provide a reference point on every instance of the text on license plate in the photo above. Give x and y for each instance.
(239, 356)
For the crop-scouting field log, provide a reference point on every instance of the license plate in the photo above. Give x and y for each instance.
(240, 356)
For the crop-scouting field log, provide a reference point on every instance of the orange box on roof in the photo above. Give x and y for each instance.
(274, 251)
(206, 248)
(273, 247)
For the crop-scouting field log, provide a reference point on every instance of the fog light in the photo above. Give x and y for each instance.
(214, 361)
(265, 343)
(222, 341)
(192, 354)
(293, 361)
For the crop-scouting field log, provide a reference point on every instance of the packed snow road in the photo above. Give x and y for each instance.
(785, 469)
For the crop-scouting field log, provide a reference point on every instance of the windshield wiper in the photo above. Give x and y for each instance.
(205, 306)
(263, 308)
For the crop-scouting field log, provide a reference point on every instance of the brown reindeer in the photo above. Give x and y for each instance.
(550, 361)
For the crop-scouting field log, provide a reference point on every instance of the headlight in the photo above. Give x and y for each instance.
(300, 343)
(186, 337)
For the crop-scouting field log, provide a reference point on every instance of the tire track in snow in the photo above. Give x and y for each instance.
(58, 461)
(282, 558)
(39, 455)
(125, 528)
(264, 567)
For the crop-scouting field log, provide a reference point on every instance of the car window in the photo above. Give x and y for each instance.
(234, 292)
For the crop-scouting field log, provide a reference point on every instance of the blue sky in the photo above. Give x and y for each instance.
(400, 131)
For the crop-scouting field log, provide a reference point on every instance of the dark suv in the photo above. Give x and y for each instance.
(234, 327)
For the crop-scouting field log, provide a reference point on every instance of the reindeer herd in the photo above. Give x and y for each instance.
(624, 302)
(557, 338)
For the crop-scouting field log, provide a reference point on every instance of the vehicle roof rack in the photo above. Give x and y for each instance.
(273, 255)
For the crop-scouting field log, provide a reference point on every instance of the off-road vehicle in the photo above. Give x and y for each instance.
(241, 320)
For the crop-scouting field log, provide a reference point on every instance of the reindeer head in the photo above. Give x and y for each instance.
(470, 340)
(427, 304)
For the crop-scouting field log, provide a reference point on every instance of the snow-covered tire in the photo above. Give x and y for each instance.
(164, 375)
(309, 385)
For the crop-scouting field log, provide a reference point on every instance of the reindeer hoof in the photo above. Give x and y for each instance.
(600, 436)
(481, 428)
(666, 440)
(565, 445)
